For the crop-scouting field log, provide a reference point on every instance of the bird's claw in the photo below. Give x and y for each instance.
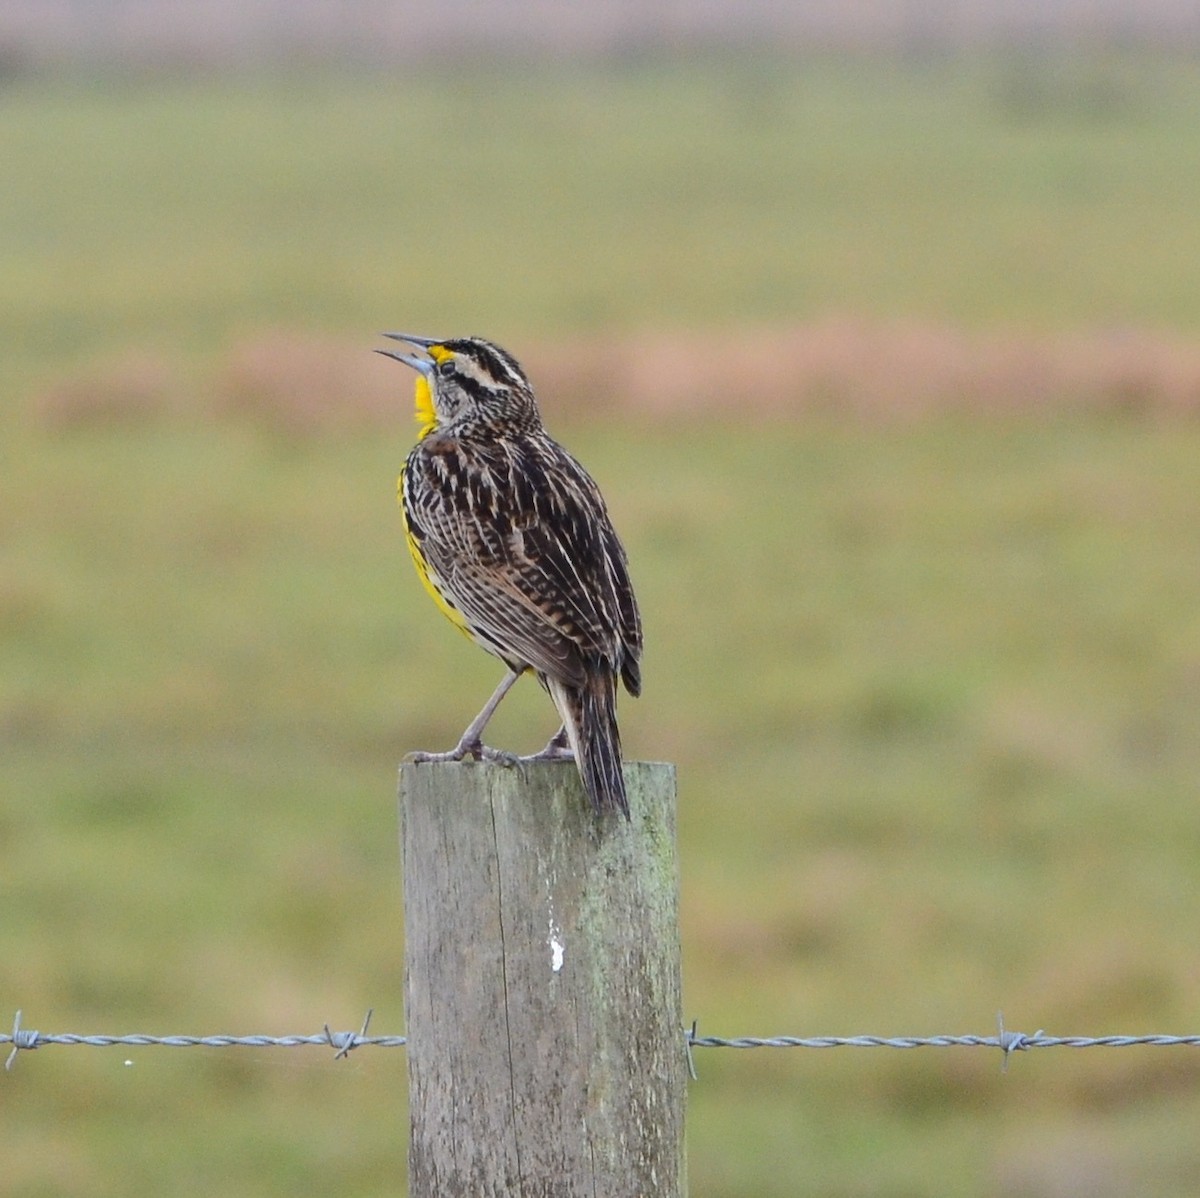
(421, 758)
(498, 757)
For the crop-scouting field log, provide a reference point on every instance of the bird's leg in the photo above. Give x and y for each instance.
(558, 748)
(470, 744)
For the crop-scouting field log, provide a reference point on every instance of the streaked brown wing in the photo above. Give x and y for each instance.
(520, 538)
(520, 629)
(571, 551)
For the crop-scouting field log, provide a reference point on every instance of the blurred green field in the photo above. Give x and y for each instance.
(933, 685)
(723, 192)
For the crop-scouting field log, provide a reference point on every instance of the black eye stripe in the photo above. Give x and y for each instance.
(473, 387)
(495, 362)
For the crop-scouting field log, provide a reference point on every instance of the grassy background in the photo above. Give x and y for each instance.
(723, 192)
(931, 683)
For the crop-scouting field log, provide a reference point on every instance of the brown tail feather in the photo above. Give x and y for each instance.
(589, 714)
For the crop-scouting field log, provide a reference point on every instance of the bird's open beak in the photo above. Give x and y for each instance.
(424, 365)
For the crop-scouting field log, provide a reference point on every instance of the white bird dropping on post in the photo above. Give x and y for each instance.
(557, 948)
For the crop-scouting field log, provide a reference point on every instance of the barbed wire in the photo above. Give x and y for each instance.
(26, 1040)
(1007, 1042)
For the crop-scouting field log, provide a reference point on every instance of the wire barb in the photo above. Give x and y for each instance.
(22, 1040)
(347, 1042)
(689, 1038)
(1010, 1042)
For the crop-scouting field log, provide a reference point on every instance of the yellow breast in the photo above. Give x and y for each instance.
(428, 579)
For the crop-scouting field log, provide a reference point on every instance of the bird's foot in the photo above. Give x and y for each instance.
(467, 748)
(557, 749)
(499, 757)
(550, 753)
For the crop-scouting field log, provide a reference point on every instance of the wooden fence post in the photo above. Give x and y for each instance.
(546, 1055)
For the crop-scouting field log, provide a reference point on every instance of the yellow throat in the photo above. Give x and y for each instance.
(426, 422)
(423, 410)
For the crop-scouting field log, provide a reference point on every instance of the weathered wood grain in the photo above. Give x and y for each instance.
(542, 975)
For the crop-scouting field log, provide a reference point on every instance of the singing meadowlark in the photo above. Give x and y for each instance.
(511, 537)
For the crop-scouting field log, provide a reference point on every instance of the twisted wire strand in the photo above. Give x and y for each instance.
(1011, 1042)
(26, 1040)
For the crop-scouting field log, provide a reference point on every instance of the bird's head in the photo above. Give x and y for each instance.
(467, 382)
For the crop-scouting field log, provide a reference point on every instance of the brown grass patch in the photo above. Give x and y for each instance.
(300, 384)
(131, 389)
(893, 369)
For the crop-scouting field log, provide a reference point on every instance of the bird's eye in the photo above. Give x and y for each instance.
(446, 368)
